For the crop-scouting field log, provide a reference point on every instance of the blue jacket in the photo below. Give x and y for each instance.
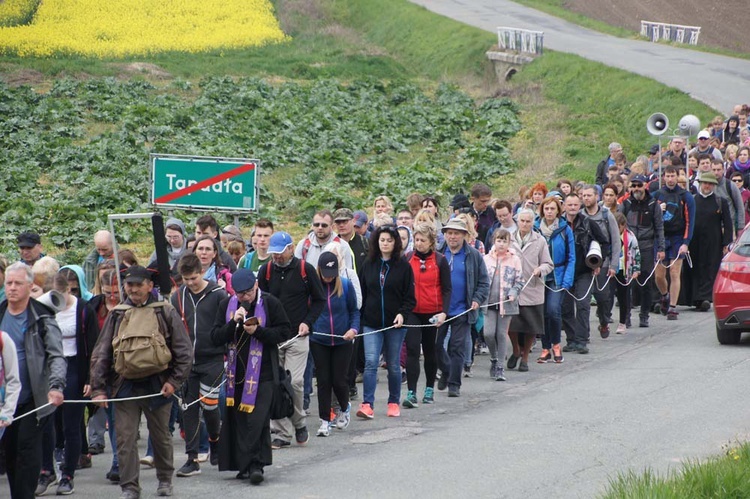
(339, 315)
(477, 280)
(562, 249)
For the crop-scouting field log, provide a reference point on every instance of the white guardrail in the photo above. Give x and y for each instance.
(670, 32)
(520, 40)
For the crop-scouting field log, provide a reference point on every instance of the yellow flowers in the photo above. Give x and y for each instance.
(14, 12)
(119, 28)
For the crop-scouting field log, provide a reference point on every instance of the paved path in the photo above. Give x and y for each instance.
(650, 398)
(719, 81)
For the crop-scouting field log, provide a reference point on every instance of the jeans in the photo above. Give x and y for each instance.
(389, 342)
(451, 360)
(552, 316)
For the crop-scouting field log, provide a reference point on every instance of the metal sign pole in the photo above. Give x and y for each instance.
(112, 218)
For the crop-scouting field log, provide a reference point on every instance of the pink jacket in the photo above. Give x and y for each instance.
(511, 275)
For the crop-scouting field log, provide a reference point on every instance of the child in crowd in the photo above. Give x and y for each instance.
(630, 269)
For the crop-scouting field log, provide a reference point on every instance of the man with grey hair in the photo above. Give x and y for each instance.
(42, 370)
(103, 250)
(601, 169)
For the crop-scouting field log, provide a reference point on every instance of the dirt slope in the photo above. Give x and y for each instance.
(723, 24)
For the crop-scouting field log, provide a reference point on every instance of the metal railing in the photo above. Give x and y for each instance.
(520, 40)
(670, 32)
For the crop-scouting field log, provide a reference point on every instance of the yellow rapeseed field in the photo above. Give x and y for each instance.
(14, 12)
(118, 28)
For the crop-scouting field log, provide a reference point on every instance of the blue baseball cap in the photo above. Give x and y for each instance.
(279, 242)
(243, 280)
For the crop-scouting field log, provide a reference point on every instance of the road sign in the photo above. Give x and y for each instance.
(204, 183)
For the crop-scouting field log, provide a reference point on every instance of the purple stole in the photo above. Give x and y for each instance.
(252, 369)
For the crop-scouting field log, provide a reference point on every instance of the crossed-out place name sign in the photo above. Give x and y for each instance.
(204, 183)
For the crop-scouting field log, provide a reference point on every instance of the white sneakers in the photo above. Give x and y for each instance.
(325, 429)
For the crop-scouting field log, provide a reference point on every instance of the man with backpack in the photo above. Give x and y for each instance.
(605, 231)
(296, 284)
(143, 351)
(196, 301)
(678, 213)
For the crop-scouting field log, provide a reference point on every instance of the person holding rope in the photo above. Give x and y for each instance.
(42, 371)
(252, 323)
(470, 288)
(196, 301)
(338, 324)
(139, 386)
(644, 217)
(536, 263)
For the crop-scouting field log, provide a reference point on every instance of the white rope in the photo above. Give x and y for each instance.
(125, 399)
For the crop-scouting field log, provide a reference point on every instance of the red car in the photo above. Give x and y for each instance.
(732, 292)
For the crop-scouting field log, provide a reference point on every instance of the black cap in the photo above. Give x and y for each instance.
(328, 264)
(654, 149)
(28, 239)
(243, 280)
(460, 201)
(136, 274)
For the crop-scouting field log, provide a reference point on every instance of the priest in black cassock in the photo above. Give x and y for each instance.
(711, 239)
(245, 443)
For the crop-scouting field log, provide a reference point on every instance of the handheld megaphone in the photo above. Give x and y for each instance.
(657, 124)
(594, 256)
(689, 125)
(53, 299)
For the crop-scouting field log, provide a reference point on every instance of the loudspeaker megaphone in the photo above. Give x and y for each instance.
(689, 125)
(53, 299)
(594, 256)
(657, 123)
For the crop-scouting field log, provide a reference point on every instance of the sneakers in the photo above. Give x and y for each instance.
(604, 331)
(84, 462)
(393, 410)
(365, 411)
(557, 354)
(130, 494)
(523, 367)
(500, 374)
(164, 489)
(147, 461)
(544, 357)
(344, 417)
(410, 402)
(513, 361)
(429, 396)
(301, 435)
(643, 322)
(190, 468)
(583, 348)
(202, 457)
(493, 368)
(113, 475)
(442, 382)
(65, 487)
(467, 372)
(621, 329)
(454, 391)
(214, 454)
(46, 480)
(672, 314)
(325, 428)
(96, 449)
(571, 347)
(664, 304)
(277, 444)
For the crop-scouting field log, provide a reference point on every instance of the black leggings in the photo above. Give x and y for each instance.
(623, 297)
(424, 337)
(331, 367)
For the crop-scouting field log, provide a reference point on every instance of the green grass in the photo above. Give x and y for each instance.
(557, 9)
(725, 476)
(600, 105)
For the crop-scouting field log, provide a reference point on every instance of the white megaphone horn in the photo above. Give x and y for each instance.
(53, 299)
(657, 124)
(594, 256)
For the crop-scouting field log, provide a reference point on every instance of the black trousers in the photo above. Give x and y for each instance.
(22, 442)
(331, 368)
(424, 338)
(203, 377)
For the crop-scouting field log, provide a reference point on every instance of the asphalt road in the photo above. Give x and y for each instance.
(719, 81)
(650, 398)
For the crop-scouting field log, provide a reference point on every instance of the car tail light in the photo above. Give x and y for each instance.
(735, 267)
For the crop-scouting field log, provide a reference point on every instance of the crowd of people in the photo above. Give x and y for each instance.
(405, 290)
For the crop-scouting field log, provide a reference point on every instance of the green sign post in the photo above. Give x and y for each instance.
(204, 183)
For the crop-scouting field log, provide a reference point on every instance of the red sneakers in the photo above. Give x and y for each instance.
(393, 411)
(365, 411)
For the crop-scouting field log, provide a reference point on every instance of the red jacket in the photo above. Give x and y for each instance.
(432, 283)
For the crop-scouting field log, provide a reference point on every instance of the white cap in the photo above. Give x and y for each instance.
(703, 134)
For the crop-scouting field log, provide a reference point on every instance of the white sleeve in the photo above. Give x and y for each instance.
(12, 379)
